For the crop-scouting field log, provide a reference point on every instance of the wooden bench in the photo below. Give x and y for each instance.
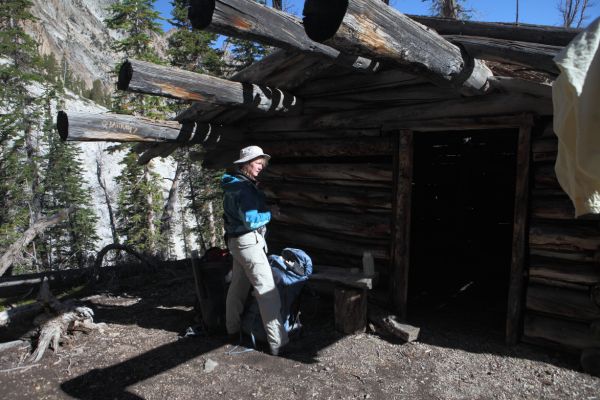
(350, 296)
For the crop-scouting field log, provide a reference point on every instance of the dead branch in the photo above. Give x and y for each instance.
(38, 227)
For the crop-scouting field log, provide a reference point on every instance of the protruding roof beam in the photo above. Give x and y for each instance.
(373, 29)
(144, 77)
(548, 35)
(250, 20)
(88, 127)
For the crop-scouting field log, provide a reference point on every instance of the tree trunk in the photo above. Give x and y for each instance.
(10, 256)
(166, 224)
(211, 224)
(102, 183)
(372, 29)
(150, 216)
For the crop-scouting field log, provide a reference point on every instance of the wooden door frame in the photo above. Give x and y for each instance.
(401, 207)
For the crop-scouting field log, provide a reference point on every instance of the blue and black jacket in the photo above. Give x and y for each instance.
(244, 205)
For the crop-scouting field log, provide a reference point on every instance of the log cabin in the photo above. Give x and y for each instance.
(427, 142)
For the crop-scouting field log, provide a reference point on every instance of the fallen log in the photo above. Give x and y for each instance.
(373, 29)
(9, 257)
(253, 21)
(12, 344)
(389, 325)
(59, 319)
(147, 78)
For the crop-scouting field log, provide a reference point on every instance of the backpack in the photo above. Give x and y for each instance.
(290, 278)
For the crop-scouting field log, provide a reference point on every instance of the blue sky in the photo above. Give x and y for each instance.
(543, 12)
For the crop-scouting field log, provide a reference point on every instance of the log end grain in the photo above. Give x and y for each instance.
(323, 18)
(200, 13)
(125, 75)
(62, 125)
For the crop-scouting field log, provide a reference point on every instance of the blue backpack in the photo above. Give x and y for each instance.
(290, 277)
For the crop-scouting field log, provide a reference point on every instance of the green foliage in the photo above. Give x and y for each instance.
(190, 49)
(139, 205)
(70, 243)
(38, 174)
(137, 20)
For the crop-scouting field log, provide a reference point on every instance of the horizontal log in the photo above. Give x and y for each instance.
(366, 226)
(353, 174)
(147, 78)
(165, 135)
(550, 35)
(490, 105)
(390, 79)
(518, 85)
(262, 136)
(544, 176)
(121, 128)
(552, 208)
(252, 21)
(589, 256)
(545, 149)
(351, 147)
(570, 334)
(300, 236)
(407, 95)
(297, 124)
(373, 29)
(569, 238)
(535, 56)
(564, 303)
(322, 194)
(224, 155)
(581, 273)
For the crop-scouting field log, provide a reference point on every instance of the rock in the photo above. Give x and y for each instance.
(210, 365)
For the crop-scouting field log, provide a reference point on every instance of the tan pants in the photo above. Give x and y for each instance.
(251, 269)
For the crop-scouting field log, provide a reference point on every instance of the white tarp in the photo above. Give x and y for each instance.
(576, 98)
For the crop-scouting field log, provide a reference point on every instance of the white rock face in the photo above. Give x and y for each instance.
(75, 30)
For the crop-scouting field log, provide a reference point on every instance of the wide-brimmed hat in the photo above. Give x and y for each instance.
(250, 153)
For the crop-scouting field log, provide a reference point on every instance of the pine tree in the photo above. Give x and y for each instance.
(140, 196)
(18, 163)
(189, 49)
(71, 243)
(449, 9)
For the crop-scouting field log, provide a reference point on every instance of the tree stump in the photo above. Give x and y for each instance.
(350, 310)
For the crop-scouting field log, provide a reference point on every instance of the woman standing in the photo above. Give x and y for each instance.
(246, 217)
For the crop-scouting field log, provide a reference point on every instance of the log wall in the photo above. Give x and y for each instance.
(564, 265)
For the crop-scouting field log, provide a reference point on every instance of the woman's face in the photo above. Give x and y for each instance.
(254, 167)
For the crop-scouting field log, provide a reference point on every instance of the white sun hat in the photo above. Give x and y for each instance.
(250, 153)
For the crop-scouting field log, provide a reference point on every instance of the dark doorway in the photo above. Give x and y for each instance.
(461, 230)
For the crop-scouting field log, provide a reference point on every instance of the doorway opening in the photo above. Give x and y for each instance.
(462, 216)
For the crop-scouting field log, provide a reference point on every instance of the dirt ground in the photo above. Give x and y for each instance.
(140, 355)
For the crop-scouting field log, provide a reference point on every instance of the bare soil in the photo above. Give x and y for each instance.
(141, 355)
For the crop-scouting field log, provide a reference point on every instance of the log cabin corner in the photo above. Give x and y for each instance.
(426, 142)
